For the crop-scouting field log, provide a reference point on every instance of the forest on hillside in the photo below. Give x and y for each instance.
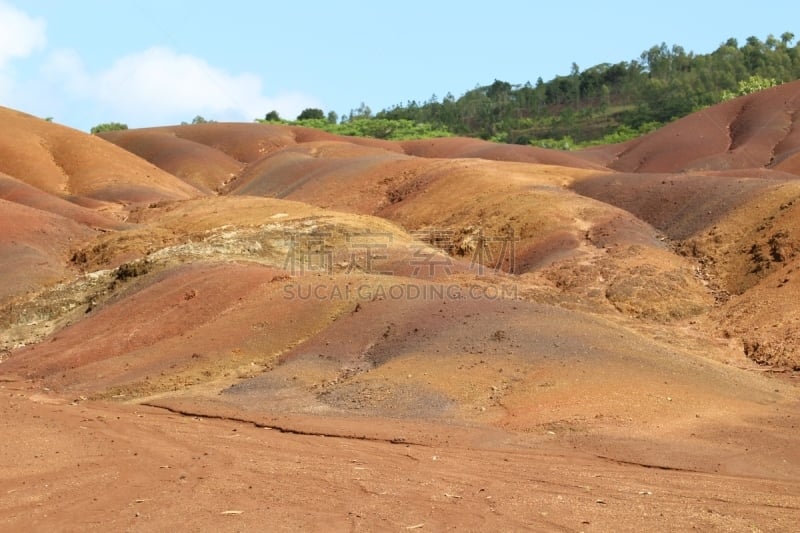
(601, 104)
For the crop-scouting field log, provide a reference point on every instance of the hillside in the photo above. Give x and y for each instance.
(607, 102)
(233, 322)
(760, 130)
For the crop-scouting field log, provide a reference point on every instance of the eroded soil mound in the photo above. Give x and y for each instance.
(66, 162)
(247, 310)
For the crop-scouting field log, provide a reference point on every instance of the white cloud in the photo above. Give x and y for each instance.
(153, 87)
(65, 68)
(20, 34)
(160, 86)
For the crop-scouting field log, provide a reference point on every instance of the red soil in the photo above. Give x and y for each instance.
(749, 132)
(637, 371)
(35, 247)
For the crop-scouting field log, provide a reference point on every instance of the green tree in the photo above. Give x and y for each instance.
(108, 126)
(755, 54)
(605, 101)
(575, 78)
(198, 120)
(311, 113)
(272, 116)
(363, 111)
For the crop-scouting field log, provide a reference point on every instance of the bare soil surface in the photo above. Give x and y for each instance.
(87, 466)
(238, 327)
(754, 131)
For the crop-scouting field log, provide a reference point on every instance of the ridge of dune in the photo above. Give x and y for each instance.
(14, 190)
(201, 166)
(65, 162)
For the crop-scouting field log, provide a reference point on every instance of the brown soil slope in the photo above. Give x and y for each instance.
(245, 143)
(757, 130)
(65, 162)
(790, 162)
(517, 363)
(432, 334)
(476, 148)
(738, 219)
(203, 167)
(513, 216)
(464, 204)
(158, 237)
(58, 187)
(266, 137)
(14, 190)
(713, 216)
(35, 247)
(374, 177)
(683, 204)
(446, 379)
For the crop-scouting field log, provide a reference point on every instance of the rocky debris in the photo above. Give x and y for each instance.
(777, 351)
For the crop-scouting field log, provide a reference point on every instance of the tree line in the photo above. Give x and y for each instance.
(603, 103)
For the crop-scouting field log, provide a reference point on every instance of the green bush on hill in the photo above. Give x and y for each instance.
(388, 129)
(108, 126)
(748, 86)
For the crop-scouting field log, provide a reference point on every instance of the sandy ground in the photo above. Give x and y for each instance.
(83, 466)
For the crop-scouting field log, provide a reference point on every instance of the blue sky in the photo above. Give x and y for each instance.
(157, 62)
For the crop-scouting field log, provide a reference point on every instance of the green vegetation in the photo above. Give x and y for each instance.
(311, 113)
(198, 120)
(108, 126)
(377, 128)
(272, 116)
(750, 85)
(622, 134)
(605, 103)
(611, 100)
